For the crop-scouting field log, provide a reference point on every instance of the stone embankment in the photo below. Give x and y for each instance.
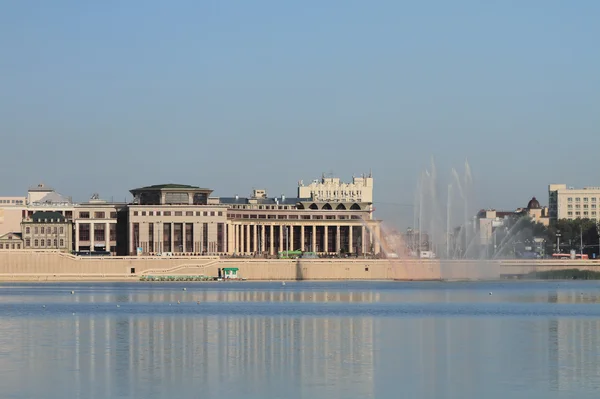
(31, 265)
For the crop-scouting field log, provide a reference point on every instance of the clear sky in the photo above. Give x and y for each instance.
(105, 96)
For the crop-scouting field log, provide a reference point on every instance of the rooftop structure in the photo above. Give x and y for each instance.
(170, 194)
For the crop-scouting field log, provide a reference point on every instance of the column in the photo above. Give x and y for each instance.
(76, 235)
(106, 236)
(302, 238)
(337, 239)
(281, 239)
(262, 238)
(291, 238)
(247, 236)
(91, 236)
(326, 239)
(350, 240)
(271, 239)
(254, 237)
(362, 240)
(313, 244)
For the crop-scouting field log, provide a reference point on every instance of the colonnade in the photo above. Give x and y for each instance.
(323, 238)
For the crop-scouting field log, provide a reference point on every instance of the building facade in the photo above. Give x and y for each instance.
(47, 230)
(10, 241)
(328, 218)
(571, 203)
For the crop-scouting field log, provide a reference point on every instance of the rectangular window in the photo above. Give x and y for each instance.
(61, 230)
(212, 213)
(150, 213)
(189, 237)
(205, 213)
(594, 199)
(167, 237)
(55, 243)
(205, 238)
(189, 213)
(577, 199)
(42, 230)
(167, 213)
(136, 237)
(62, 243)
(55, 230)
(178, 237)
(27, 230)
(143, 213)
(178, 213)
(220, 237)
(586, 199)
(198, 213)
(135, 213)
(113, 215)
(99, 232)
(84, 215)
(113, 231)
(42, 243)
(99, 215)
(28, 242)
(150, 237)
(158, 213)
(220, 214)
(1, 246)
(84, 232)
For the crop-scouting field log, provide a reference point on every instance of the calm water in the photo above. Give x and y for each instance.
(301, 340)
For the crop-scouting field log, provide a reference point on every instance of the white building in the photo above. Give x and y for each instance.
(571, 203)
(331, 189)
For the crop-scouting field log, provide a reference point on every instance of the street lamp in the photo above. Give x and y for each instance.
(558, 241)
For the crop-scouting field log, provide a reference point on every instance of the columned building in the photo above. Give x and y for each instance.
(175, 218)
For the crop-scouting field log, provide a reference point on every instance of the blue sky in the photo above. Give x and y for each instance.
(107, 96)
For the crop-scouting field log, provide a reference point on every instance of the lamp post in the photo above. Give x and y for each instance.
(558, 241)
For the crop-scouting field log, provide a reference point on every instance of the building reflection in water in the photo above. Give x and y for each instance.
(169, 356)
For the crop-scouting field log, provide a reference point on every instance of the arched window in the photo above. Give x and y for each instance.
(327, 206)
(35, 243)
(42, 243)
(62, 243)
(340, 207)
(355, 207)
(55, 243)
(313, 206)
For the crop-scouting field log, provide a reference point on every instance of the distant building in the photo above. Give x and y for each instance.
(10, 241)
(571, 203)
(47, 230)
(329, 218)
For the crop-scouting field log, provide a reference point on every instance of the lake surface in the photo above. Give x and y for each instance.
(300, 340)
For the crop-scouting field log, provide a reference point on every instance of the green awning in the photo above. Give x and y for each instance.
(231, 269)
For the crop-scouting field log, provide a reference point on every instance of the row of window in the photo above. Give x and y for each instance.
(303, 217)
(45, 230)
(578, 206)
(10, 246)
(586, 213)
(45, 243)
(17, 202)
(177, 213)
(585, 199)
(263, 207)
(97, 215)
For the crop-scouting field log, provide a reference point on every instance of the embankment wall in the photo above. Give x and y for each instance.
(49, 265)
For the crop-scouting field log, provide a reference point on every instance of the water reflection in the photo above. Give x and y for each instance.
(153, 357)
(141, 350)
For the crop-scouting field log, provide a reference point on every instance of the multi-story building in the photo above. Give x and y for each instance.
(571, 203)
(328, 218)
(47, 230)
